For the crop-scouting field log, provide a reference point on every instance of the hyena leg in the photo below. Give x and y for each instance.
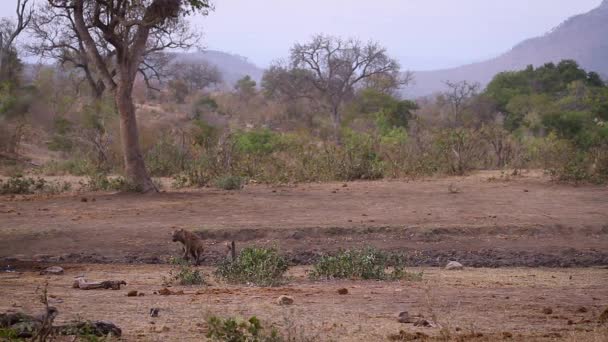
(186, 256)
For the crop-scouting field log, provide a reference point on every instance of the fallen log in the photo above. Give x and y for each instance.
(83, 284)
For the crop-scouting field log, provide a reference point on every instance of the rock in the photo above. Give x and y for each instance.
(343, 291)
(55, 270)
(167, 292)
(132, 293)
(507, 335)
(547, 311)
(582, 309)
(154, 312)
(404, 317)
(454, 266)
(407, 336)
(285, 300)
(141, 294)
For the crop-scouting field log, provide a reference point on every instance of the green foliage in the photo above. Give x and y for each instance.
(203, 105)
(27, 186)
(237, 330)
(258, 142)
(77, 166)
(245, 87)
(101, 182)
(204, 135)
(183, 273)
(367, 263)
(230, 182)
(257, 266)
(359, 159)
(9, 335)
(61, 139)
(15, 101)
(388, 112)
(549, 79)
(165, 158)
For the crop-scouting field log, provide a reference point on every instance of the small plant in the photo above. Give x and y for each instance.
(183, 274)
(257, 266)
(230, 183)
(238, 330)
(20, 185)
(10, 335)
(367, 263)
(101, 182)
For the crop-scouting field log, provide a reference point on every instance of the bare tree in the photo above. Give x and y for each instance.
(114, 37)
(9, 31)
(458, 98)
(336, 67)
(197, 76)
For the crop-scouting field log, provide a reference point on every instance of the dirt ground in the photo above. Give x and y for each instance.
(475, 304)
(528, 244)
(525, 221)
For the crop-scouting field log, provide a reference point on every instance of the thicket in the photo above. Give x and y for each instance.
(552, 117)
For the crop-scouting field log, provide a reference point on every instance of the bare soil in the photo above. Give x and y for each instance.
(490, 222)
(471, 305)
(528, 244)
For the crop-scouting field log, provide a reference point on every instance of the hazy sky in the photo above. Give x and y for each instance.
(422, 34)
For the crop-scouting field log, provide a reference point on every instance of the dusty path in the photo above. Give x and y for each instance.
(489, 304)
(525, 221)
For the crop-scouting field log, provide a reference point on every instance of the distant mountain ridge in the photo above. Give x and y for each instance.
(583, 38)
(233, 67)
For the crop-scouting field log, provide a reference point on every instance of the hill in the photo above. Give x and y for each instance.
(581, 37)
(233, 67)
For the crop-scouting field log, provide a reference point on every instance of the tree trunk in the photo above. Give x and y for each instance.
(336, 122)
(135, 168)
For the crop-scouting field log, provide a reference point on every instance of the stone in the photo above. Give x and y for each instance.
(55, 270)
(285, 300)
(154, 312)
(547, 311)
(343, 291)
(404, 317)
(454, 266)
(132, 293)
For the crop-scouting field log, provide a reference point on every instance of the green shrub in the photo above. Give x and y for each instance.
(101, 182)
(257, 266)
(20, 185)
(165, 158)
(259, 142)
(358, 158)
(366, 263)
(197, 174)
(230, 183)
(9, 335)
(238, 330)
(75, 166)
(183, 274)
